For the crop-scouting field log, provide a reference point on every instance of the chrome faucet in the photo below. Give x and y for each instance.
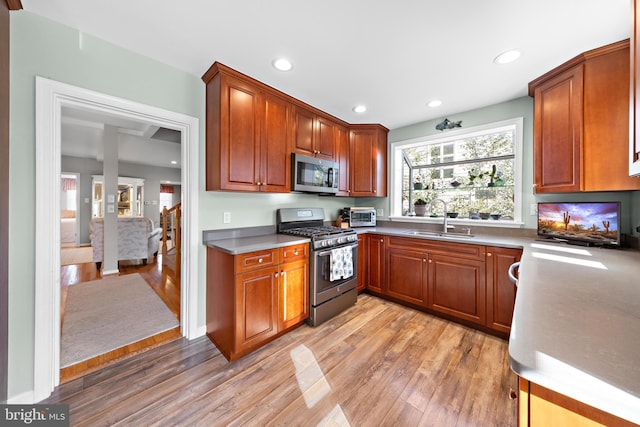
(444, 225)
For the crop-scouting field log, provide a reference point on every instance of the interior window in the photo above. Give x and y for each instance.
(475, 171)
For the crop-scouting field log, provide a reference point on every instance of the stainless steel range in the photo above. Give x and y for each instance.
(333, 261)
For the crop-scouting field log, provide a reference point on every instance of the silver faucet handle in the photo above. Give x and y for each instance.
(467, 229)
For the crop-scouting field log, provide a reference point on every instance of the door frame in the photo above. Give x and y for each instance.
(51, 96)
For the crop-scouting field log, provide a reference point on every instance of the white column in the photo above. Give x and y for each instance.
(110, 171)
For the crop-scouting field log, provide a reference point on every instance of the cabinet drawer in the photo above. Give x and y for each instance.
(255, 260)
(460, 250)
(294, 253)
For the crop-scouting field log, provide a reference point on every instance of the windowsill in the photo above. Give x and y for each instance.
(458, 221)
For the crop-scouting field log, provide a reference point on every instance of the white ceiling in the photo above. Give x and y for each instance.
(392, 56)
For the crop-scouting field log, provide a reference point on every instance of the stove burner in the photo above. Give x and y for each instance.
(315, 232)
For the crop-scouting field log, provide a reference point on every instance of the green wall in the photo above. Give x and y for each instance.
(41, 47)
(520, 107)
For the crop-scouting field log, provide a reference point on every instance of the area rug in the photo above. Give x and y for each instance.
(76, 255)
(106, 314)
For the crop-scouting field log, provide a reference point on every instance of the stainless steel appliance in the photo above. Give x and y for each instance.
(361, 217)
(313, 175)
(333, 261)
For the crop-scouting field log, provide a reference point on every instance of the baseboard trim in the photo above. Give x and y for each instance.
(26, 398)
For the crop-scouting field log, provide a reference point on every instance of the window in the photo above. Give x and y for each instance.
(475, 171)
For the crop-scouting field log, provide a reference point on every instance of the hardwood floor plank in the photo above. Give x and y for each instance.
(379, 363)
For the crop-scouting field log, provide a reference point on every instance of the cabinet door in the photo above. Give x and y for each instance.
(407, 276)
(457, 287)
(239, 136)
(557, 134)
(275, 161)
(363, 261)
(325, 141)
(376, 263)
(293, 295)
(501, 293)
(256, 307)
(304, 129)
(368, 161)
(342, 151)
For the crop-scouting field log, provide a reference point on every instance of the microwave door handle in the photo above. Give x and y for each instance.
(331, 173)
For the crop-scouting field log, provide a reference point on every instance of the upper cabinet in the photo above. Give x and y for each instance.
(581, 117)
(634, 128)
(368, 160)
(248, 134)
(252, 129)
(314, 135)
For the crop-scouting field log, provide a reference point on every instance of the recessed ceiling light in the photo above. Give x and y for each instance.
(434, 103)
(173, 162)
(282, 64)
(359, 108)
(508, 56)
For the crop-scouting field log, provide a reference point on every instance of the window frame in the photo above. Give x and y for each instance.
(395, 175)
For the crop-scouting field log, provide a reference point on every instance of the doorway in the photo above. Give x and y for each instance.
(51, 97)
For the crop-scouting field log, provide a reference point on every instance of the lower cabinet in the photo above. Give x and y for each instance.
(375, 250)
(363, 261)
(462, 281)
(501, 292)
(457, 287)
(407, 276)
(540, 407)
(254, 297)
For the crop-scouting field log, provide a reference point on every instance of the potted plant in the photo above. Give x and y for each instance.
(420, 207)
(418, 185)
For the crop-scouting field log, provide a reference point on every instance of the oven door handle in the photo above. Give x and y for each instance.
(326, 253)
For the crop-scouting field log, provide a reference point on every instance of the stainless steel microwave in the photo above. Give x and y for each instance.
(312, 175)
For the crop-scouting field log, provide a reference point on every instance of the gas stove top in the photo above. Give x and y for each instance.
(309, 222)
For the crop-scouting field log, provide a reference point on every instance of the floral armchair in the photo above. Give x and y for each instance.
(137, 239)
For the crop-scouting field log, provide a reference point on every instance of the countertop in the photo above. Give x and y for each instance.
(576, 322)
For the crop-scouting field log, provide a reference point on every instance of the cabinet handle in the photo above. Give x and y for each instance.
(276, 275)
(284, 275)
(259, 260)
(295, 252)
(381, 240)
(424, 260)
(489, 254)
(512, 394)
(430, 261)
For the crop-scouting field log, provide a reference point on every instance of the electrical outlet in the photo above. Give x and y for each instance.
(226, 217)
(379, 212)
(533, 209)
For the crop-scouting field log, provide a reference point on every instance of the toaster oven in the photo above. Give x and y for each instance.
(361, 217)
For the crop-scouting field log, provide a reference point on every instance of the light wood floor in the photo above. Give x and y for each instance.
(163, 278)
(378, 363)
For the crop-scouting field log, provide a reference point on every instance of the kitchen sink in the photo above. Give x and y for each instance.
(451, 234)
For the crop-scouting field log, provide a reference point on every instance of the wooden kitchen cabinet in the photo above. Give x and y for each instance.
(376, 252)
(581, 118)
(248, 134)
(363, 261)
(634, 95)
(540, 407)
(407, 273)
(343, 156)
(501, 292)
(368, 160)
(457, 287)
(314, 135)
(254, 297)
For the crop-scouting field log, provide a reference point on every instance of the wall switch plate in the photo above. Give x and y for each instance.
(533, 209)
(379, 212)
(86, 200)
(110, 209)
(226, 217)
